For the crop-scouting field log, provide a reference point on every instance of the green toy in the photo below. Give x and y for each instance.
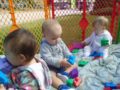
(82, 63)
(75, 51)
(104, 42)
(70, 82)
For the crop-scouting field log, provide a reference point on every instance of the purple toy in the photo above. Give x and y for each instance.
(73, 73)
(78, 45)
(75, 45)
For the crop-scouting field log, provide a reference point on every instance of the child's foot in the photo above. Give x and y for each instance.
(65, 87)
(63, 77)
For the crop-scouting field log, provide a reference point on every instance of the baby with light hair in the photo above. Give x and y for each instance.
(97, 43)
(54, 51)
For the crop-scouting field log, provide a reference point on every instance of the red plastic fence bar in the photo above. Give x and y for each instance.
(84, 8)
(113, 19)
(84, 16)
(118, 8)
(53, 9)
(84, 22)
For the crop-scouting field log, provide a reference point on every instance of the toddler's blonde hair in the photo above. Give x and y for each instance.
(52, 27)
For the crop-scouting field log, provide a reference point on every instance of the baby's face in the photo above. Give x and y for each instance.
(53, 34)
(52, 39)
(98, 28)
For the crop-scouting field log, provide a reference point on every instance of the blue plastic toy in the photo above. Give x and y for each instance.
(97, 54)
(62, 71)
(4, 79)
(71, 59)
(110, 84)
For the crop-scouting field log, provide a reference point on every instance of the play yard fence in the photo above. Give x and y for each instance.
(75, 16)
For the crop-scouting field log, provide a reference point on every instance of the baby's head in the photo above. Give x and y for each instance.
(52, 31)
(20, 47)
(100, 24)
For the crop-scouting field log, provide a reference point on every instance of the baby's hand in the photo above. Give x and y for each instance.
(69, 69)
(2, 87)
(65, 63)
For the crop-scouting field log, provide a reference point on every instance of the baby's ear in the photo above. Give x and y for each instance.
(22, 58)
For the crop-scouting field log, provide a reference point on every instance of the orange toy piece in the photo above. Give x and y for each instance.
(77, 81)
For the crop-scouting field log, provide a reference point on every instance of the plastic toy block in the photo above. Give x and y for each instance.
(78, 45)
(75, 45)
(97, 54)
(4, 79)
(104, 42)
(111, 85)
(75, 51)
(77, 81)
(73, 73)
(82, 63)
(71, 59)
(107, 88)
(70, 82)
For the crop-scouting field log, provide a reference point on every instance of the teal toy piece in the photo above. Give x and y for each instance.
(82, 63)
(70, 82)
(71, 59)
(4, 79)
(75, 50)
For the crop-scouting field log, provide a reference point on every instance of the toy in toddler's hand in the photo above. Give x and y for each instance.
(104, 42)
(72, 74)
(71, 59)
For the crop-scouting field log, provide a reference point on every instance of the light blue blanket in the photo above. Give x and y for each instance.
(97, 72)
